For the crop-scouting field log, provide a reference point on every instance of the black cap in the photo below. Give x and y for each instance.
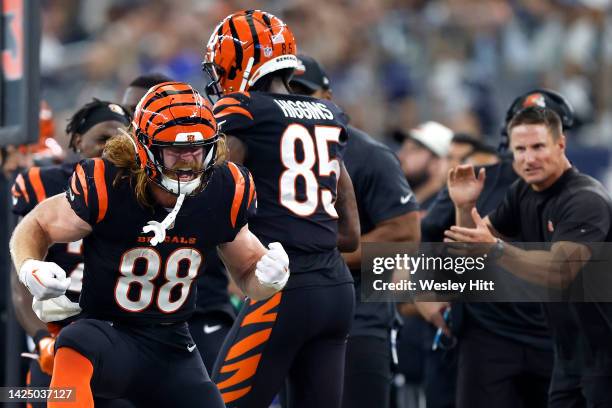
(310, 74)
(543, 98)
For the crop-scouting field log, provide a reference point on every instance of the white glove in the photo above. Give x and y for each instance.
(52, 310)
(273, 268)
(44, 280)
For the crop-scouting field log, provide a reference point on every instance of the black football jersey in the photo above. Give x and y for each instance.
(127, 279)
(295, 145)
(30, 188)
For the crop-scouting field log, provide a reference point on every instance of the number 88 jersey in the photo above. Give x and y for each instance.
(127, 279)
(294, 146)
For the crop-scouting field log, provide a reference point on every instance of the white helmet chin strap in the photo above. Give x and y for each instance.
(159, 228)
(183, 188)
(245, 75)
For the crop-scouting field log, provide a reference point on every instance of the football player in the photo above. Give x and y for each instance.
(169, 174)
(214, 313)
(293, 145)
(89, 129)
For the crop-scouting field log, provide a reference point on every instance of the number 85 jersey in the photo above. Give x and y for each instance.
(294, 147)
(127, 279)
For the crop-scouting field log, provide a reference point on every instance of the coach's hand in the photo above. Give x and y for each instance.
(479, 234)
(463, 186)
(44, 280)
(273, 268)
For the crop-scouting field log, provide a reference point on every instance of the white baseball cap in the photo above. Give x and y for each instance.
(434, 136)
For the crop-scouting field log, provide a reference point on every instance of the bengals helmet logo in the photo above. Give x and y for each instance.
(536, 99)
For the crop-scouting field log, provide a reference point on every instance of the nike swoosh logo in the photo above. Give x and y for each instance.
(405, 199)
(190, 348)
(211, 329)
(36, 277)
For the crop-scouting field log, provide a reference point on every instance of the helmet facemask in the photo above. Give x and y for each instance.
(173, 118)
(213, 88)
(169, 178)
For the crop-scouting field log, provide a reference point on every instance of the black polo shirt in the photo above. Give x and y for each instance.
(382, 192)
(522, 322)
(575, 208)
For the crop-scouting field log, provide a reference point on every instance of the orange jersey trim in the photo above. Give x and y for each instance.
(238, 194)
(228, 100)
(81, 175)
(37, 185)
(234, 109)
(251, 190)
(100, 183)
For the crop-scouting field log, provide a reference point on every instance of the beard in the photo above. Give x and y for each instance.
(184, 171)
(417, 179)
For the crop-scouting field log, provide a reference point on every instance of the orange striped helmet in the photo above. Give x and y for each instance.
(173, 114)
(244, 47)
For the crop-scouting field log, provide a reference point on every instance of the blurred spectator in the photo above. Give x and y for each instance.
(423, 158)
(46, 151)
(453, 61)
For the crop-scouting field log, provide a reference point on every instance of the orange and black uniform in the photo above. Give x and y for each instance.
(295, 144)
(30, 188)
(136, 298)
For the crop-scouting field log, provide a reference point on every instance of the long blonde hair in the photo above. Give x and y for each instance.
(120, 151)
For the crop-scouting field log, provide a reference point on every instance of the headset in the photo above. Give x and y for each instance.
(541, 97)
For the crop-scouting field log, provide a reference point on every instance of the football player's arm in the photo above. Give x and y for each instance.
(21, 298)
(241, 257)
(237, 149)
(403, 228)
(349, 229)
(53, 220)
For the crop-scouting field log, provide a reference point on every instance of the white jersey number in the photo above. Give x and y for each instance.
(144, 283)
(313, 151)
